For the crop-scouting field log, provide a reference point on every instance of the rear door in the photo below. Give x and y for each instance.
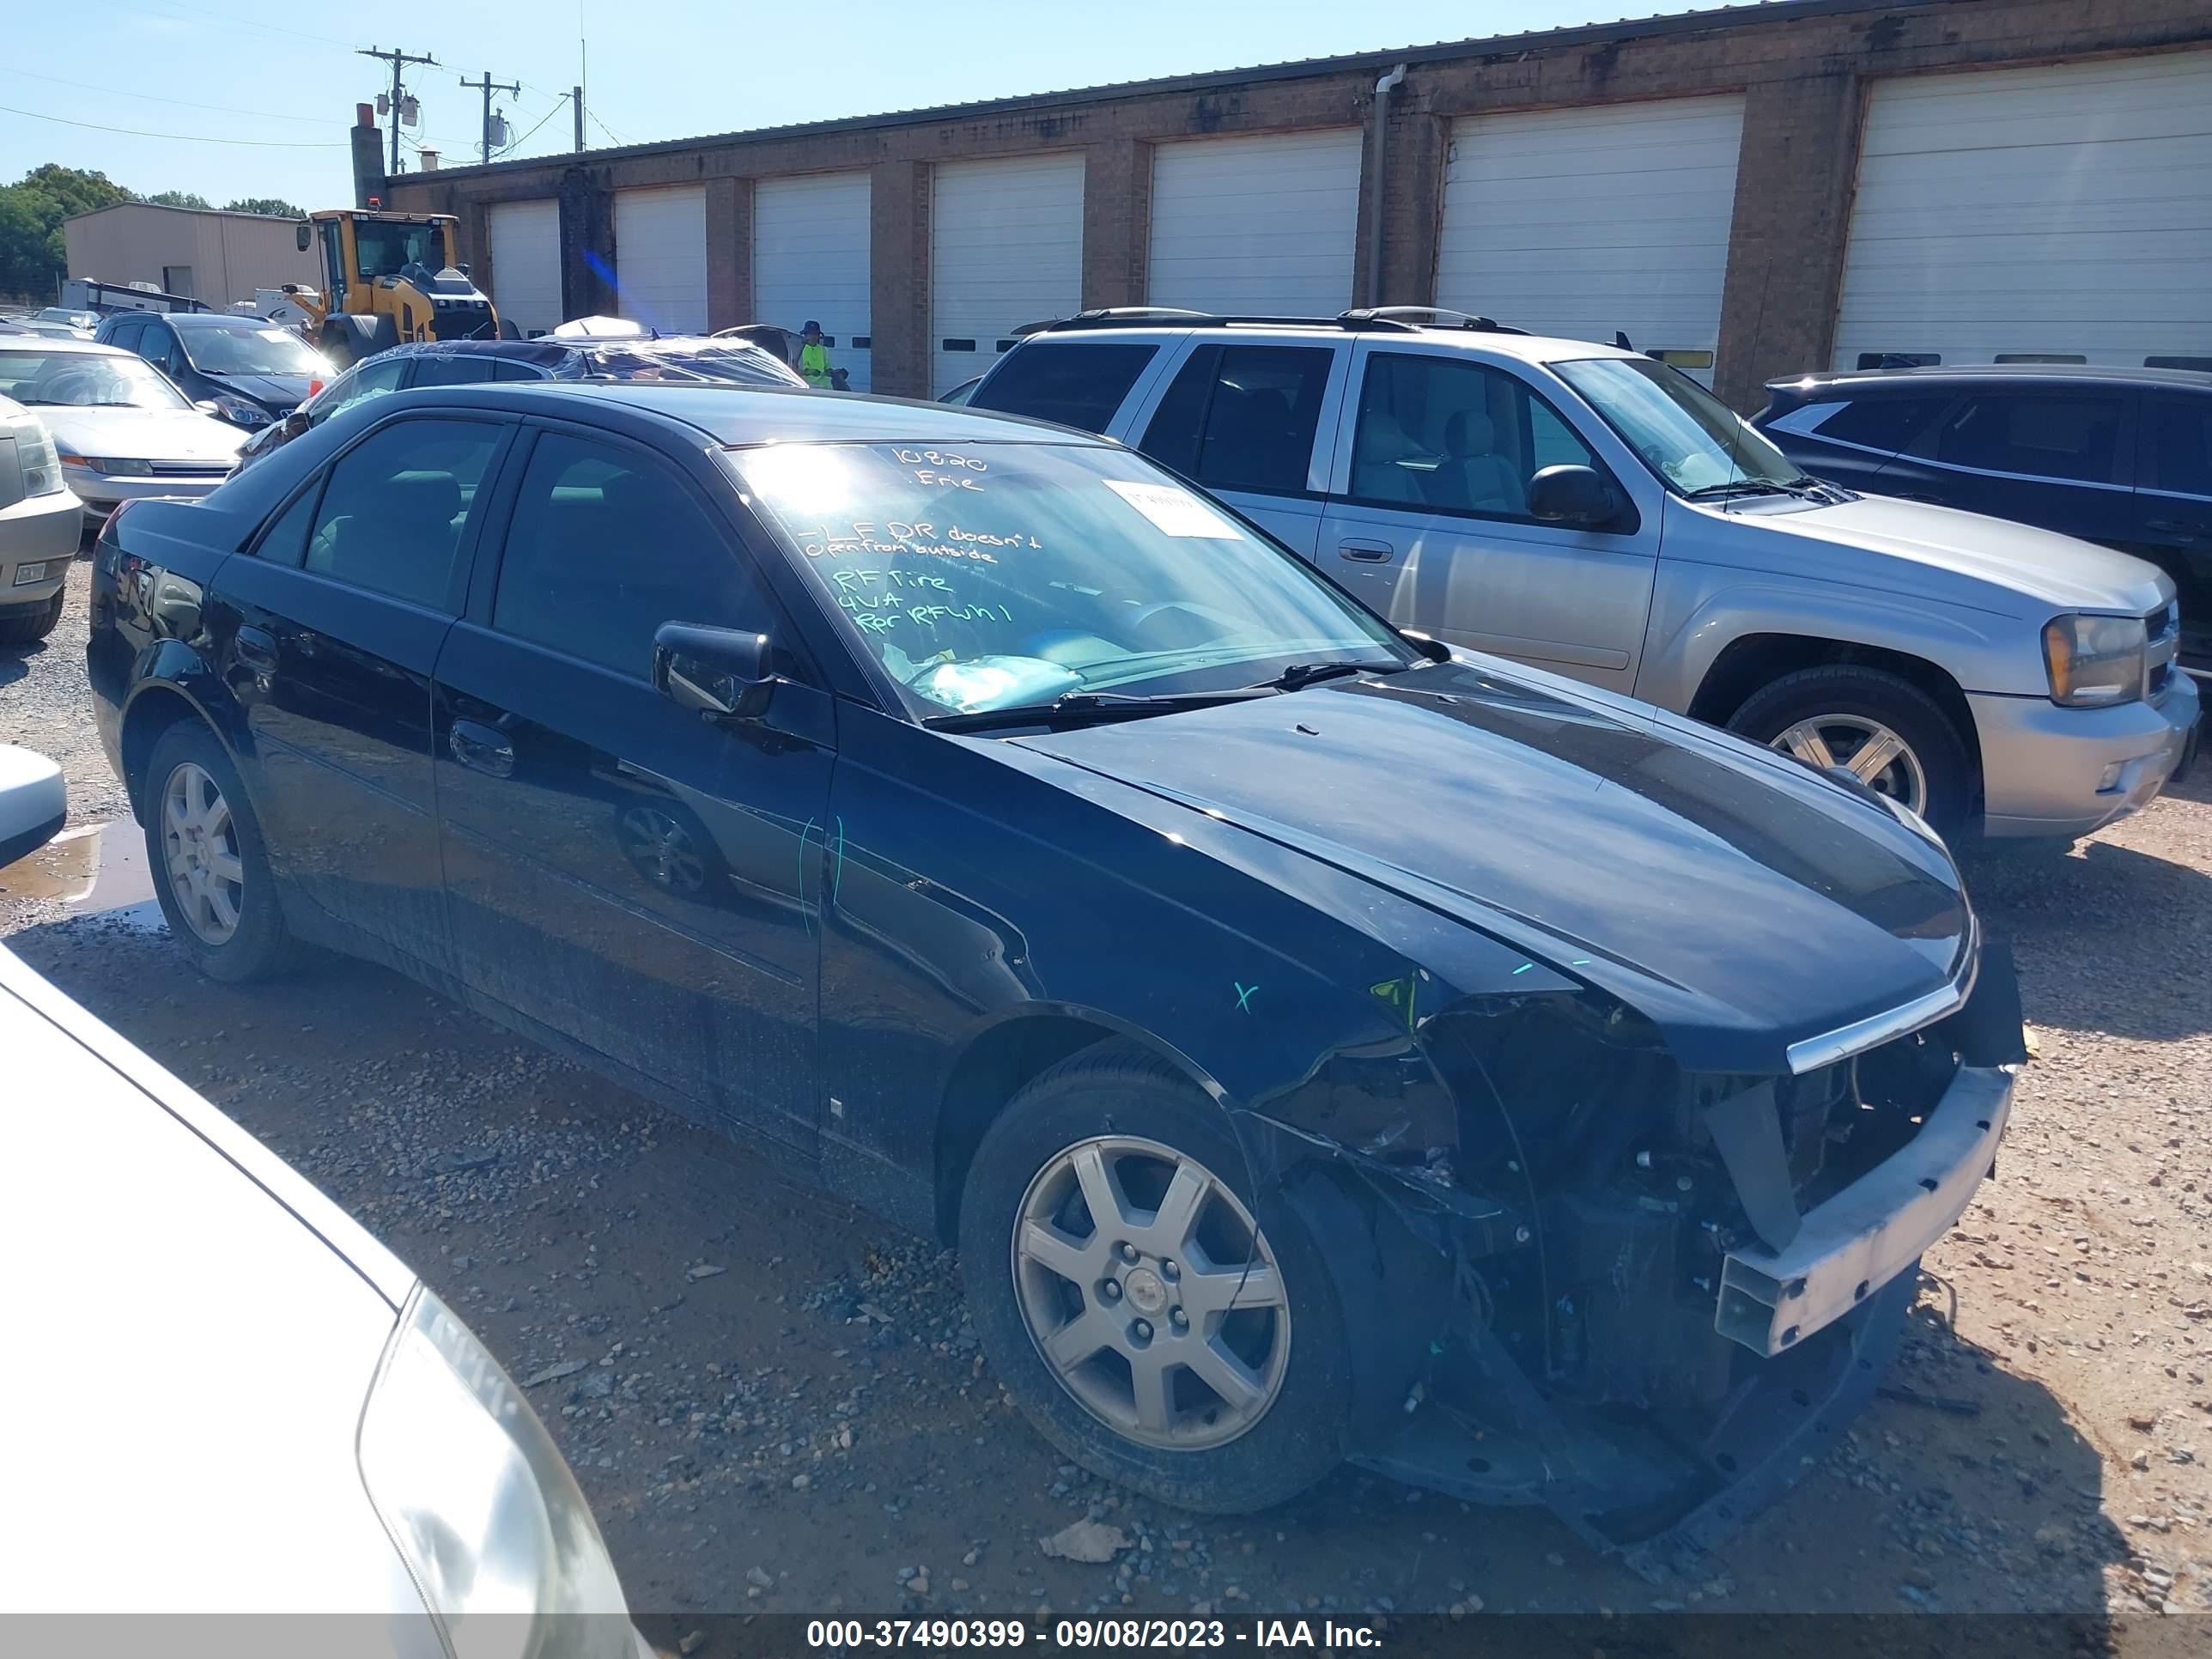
(1256, 424)
(2053, 455)
(619, 870)
(2173, 506)
(339, 614)
(1428, 519)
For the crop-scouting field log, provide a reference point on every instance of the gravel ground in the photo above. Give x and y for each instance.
(777, 1402)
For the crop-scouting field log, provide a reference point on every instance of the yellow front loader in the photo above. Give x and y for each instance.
(389, 277)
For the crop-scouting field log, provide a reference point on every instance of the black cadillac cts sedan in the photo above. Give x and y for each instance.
(1321, 1043)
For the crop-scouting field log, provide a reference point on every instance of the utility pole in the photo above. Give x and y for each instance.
(488, 86)
(576, 98)
(398, 60)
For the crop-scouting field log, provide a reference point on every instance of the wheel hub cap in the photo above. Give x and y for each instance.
(1865, 748)
(199, 845)
(1150, 1293)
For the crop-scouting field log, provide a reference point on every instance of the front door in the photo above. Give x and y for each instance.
(619, 870)
(1430, 524)
(335, 618)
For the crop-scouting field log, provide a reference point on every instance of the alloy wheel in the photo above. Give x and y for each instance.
(199, 844)
(663, 850)
(1150, 1293)
(1865, 748)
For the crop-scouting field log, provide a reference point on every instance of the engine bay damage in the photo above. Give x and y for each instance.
(1575, 1274)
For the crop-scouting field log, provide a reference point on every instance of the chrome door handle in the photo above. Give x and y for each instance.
(1366, 552)
(481, 749)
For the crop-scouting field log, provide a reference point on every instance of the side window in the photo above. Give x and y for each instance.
(158, 345)
(606, 545)
(2178, 433)
(2044, 434)
(370, 380)
(125, 333)
(1078, 386)
(1888, 424)
(1437, 434)
(391, 515)
(285, 541)
(461, 369)
(510, 369)
(1242, 417)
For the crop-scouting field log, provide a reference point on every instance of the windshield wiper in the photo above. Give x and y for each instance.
(1305, 673)
(1073, 708)
(1805, 487)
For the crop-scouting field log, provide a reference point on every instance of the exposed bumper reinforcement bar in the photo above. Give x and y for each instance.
(1847, 1249)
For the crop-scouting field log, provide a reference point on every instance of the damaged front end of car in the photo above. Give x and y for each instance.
(1576, 1273)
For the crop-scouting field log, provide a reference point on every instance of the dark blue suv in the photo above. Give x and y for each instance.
(2119, 456)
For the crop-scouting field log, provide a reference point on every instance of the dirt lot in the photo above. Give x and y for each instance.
(777, 1402)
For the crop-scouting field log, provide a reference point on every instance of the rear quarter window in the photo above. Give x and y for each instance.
(1078, 386)
(1886, 422)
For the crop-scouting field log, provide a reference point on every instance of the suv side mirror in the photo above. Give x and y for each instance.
(720, 672)
(1574, 496)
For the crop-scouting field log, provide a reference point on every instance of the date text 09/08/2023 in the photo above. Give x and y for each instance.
(832, 1633)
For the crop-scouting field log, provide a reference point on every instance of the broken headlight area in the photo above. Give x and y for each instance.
(1548, 1308)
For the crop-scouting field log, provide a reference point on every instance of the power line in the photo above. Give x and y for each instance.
(182, 103)
(595, 116)
(248, 22)
(532, 133)
(175, 137)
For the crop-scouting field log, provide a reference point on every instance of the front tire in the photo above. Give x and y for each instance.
(210, 867)
(1155, 1321)
(1885, 730)
(33, 623)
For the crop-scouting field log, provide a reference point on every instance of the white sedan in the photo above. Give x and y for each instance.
(39, 522)
(233, 1399)
(123, 428)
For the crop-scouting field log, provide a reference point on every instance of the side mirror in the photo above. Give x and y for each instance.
(1574, 496)
(303, 235)
(294, 424)
(720, 672)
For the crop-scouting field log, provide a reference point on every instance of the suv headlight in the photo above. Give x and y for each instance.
(2094, 659)
(481, 1505)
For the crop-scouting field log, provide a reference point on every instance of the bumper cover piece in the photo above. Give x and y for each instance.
(1863, 1237)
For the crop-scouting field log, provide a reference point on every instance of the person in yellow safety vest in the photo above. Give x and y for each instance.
(813, 357)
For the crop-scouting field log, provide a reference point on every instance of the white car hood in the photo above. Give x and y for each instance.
(2043, 567)
(200, 1328)
(144, 435)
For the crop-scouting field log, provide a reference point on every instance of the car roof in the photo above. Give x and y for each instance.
(1502, 340)
(2075, 374)
(215, 319)
(65, 342)
(740, 416)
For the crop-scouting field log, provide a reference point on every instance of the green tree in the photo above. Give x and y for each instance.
(275, 206)
(32, 258)
(184, 198)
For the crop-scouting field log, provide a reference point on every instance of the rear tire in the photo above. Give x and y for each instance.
(1844, 711)
(33, 623)
(210, 866)
(1239, 1323)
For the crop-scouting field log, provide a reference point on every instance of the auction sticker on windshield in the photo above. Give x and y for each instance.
(1174, 512)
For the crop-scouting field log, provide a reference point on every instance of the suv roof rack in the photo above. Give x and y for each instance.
(1393, 319)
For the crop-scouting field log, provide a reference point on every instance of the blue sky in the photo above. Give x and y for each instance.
(659, 68)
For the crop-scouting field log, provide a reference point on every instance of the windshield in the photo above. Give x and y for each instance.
(386, 248)
(992, 575)
(250, 351)
(1684, 433)
(86, 379)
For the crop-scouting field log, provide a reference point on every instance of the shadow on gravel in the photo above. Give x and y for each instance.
(2099, 936)
(16, 660)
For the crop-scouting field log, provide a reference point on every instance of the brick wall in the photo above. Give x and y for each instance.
(1802, 65)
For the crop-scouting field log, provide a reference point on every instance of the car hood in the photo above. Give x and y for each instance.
(1739, 901)
(2045, 570)
(222, 1321)
(278, 393)
(144, 435)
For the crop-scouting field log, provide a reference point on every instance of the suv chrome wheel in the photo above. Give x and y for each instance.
(1865, 748)
(199, 844)
(1150, 1293)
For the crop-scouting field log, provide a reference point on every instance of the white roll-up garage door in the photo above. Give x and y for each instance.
(2063, 213)
(811, 261)
(526, 264)
(1006, 247)
(1263, 225)
(660, 257)
(1580, 222)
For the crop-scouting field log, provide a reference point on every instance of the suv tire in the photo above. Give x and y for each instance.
(1829, 709)
(1279, 1346)
(210, 864)
(28, 624)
